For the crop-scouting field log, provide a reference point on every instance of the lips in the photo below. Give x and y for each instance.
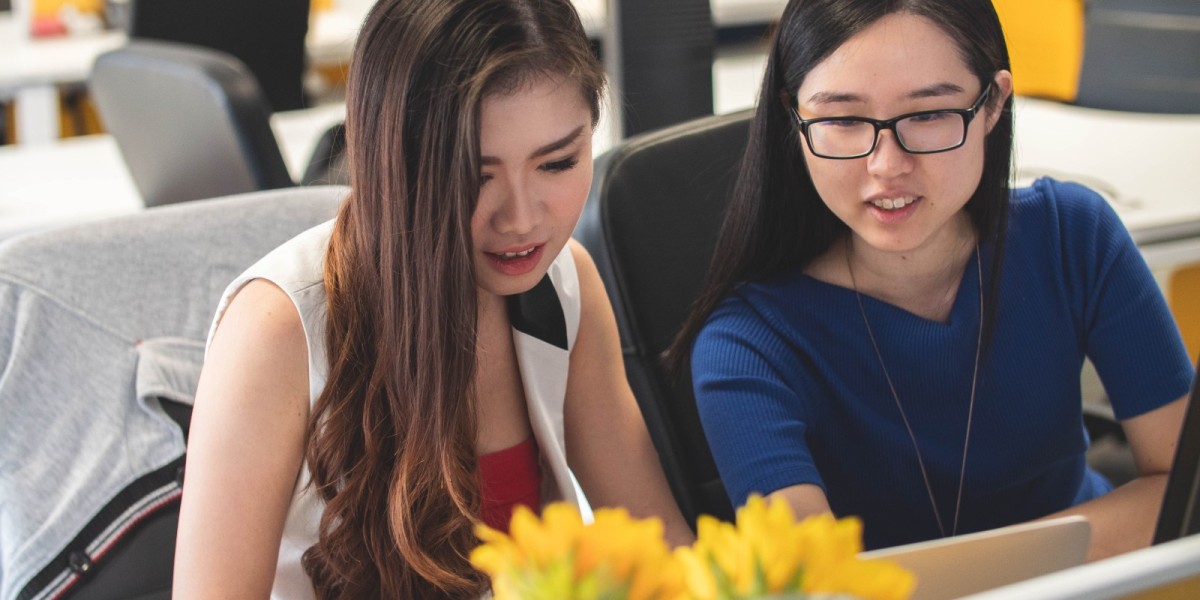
(893, 208)
(893, 203)
(516, 261)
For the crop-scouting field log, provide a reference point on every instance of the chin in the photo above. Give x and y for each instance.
(503, 285)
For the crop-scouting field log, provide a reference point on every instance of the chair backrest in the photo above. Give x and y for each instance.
(655, 208)
(266, 35)
(102, 332)
(1142, 56)
(190, 122)
(328, 164)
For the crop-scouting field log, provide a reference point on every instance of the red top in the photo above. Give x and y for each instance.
(507, 478)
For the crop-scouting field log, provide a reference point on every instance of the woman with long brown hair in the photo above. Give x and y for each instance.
(438, 353)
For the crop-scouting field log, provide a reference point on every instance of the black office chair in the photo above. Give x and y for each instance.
(327, 165)
(190, 122)
(656, 204)
(266, 35)
(102, 330)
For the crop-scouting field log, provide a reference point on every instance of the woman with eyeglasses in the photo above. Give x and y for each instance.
(888, 330)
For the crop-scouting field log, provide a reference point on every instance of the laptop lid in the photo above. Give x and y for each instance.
(974, 562)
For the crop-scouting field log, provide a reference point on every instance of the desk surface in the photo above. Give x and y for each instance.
(1145, 163)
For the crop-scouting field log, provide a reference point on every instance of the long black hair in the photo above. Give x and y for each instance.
(776, 221)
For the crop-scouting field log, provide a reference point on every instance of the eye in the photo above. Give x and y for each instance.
(483, 179)
(931, 117)
(559, 166)
(841, 123)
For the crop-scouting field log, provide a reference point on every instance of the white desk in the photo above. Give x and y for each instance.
(32, 69)
(85, 177)
(1147, 166)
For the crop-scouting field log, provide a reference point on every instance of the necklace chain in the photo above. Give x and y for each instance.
(904, 417)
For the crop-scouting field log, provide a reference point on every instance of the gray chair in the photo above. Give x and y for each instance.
(102, 330)
(190, 122)
(1142, 56)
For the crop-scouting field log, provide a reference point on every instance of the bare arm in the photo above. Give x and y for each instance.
(245, 449)
(607, 444)
(1124, 519)
(806, 499)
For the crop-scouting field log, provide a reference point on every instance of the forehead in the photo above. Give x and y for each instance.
(896, 54)
(530, 115)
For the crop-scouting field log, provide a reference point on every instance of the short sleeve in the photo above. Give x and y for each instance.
(753, 418)
(1128, 330)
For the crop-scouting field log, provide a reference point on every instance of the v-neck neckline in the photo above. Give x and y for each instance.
(964, 309)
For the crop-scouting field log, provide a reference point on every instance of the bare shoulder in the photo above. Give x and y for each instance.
(264, 307)
(594, 303)
(259, 347)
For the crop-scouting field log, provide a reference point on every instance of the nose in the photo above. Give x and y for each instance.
(889, 159)
(516, 212)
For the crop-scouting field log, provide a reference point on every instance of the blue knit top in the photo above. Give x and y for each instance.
(790, 390)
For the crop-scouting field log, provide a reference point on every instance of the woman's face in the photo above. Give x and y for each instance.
(536, 147)
(893, 200)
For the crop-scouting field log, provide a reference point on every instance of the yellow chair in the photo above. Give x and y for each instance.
(1183, 295)
(1045, 45)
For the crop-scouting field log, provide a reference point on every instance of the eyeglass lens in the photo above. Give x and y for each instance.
(929, 132)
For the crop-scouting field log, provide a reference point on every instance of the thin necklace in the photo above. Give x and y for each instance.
(904, 417)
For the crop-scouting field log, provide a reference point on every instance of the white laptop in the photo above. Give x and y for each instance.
(974, 562)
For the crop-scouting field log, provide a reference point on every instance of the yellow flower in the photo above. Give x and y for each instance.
(767, 552)
(617, 557)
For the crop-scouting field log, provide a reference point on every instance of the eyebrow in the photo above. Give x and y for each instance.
(554, 146)
(932, 91)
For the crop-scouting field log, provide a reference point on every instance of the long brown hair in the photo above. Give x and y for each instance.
(392, 436)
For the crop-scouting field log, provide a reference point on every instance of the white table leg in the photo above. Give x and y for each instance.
(37, 114)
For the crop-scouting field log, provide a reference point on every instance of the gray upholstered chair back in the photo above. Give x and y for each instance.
(102, 332)
(190, 122)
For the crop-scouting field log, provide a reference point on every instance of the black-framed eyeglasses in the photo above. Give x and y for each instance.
(924, 132)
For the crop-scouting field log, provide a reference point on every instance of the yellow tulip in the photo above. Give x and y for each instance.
(618, 557)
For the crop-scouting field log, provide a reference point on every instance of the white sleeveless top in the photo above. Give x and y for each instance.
(545, 321)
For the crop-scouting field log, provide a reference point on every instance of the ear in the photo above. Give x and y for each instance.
(1003, 83)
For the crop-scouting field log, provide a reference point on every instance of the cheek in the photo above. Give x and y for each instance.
(480, 218)
(568, 193)
(961, 171)
(830, 181)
